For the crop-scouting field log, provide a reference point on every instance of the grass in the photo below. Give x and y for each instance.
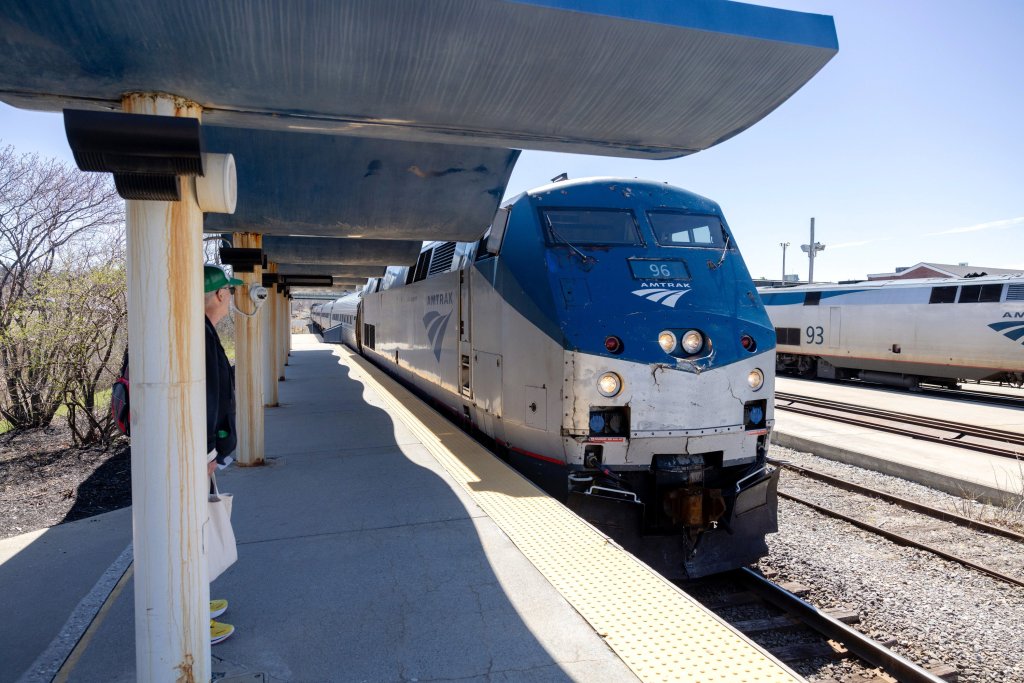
(1008, 511)
(229, 349)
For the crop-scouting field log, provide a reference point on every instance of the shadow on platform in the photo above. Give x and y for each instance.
(358, 561)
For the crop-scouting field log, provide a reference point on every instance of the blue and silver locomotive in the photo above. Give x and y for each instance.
(606, 335)
(902, 332)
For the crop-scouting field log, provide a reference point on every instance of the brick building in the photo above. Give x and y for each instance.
(922, 270)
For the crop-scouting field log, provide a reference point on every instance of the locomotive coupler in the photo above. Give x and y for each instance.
(685, 502)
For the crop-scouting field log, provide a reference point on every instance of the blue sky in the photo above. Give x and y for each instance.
(908, 146)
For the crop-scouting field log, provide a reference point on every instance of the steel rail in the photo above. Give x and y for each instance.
(943, 515)
(903, 540)
(971, 396)
(960, 430)
(964, 393)
(946, 425)
(856, 642)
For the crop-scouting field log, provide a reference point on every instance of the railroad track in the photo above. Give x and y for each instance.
(971, 396)
(993, 441)
(918, 508)
(841, 638)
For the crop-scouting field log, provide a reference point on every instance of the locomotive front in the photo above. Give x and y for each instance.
(668, 370)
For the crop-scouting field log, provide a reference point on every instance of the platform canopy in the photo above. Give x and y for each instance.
(396, 119)
(343, 186)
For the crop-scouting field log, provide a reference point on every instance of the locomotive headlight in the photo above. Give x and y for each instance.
(755, 379)
(667, 341)
(693, 341)
(609, 384)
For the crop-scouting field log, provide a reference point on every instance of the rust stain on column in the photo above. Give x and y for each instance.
(248, 360)
(168, 483)
(185, 668)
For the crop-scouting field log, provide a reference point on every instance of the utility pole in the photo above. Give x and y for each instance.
(783, 245)
(811, 249)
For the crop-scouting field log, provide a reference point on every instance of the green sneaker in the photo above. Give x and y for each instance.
(220, 632)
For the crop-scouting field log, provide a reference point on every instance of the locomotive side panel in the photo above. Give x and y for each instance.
(932, 329)
(530, 401)
(415, 330)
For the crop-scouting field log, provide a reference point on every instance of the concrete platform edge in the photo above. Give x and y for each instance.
(935, 480)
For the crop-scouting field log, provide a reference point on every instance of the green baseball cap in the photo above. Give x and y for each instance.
(215, 277)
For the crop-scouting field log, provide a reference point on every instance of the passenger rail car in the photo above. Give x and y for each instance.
(335, 320)
(902, 332)
(607, 336)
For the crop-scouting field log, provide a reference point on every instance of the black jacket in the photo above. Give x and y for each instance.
(220, 397)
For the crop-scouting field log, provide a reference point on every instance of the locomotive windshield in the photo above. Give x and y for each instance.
(673, 229)
(591, 226)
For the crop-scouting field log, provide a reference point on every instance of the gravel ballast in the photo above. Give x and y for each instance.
(930, 610)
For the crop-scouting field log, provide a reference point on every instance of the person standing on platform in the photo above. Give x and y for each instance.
(221, 438)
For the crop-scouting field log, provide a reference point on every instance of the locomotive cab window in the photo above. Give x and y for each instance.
(942, 295)
(812, 298)
(972, 294)
(590, 226)
(422, 265)
(481, 248)
(790, 336)
(672, 229)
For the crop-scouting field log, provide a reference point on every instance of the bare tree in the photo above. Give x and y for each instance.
(99, 317)
(51, 218)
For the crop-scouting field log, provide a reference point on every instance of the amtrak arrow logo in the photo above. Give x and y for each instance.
(1014, 329)
(666, 297)
(436, 325)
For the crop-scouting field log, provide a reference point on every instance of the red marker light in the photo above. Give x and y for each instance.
(747, 342)
(613, 344)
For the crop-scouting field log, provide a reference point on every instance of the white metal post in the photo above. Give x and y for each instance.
(248, 358)
(279, 369)
(810, 271)
(168, 371)
(289, 337)
(269, 343)
(286, 326)
(282, 343)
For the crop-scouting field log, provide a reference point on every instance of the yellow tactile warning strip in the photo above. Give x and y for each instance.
(658, 631)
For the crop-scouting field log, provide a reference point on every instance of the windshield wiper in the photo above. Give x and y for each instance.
(725, 250)
(585, 257)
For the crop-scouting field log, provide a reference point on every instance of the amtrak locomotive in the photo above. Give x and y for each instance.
(606, 335)
(902, 332)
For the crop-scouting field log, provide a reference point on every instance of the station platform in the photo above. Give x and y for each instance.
(960, 472)
(380, 543)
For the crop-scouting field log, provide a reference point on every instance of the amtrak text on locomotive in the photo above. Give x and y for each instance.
(442, 299)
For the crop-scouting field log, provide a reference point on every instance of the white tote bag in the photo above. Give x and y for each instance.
(218, 536)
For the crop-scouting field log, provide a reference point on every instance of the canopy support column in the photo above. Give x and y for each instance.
(248, 358)
(279, 339)
(269, 347)
(168, 371)
(286, 339)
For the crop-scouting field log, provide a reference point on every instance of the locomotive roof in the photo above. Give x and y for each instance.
(877, 284)
(618, 186)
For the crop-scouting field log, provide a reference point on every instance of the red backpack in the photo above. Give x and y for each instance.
(120, 405)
